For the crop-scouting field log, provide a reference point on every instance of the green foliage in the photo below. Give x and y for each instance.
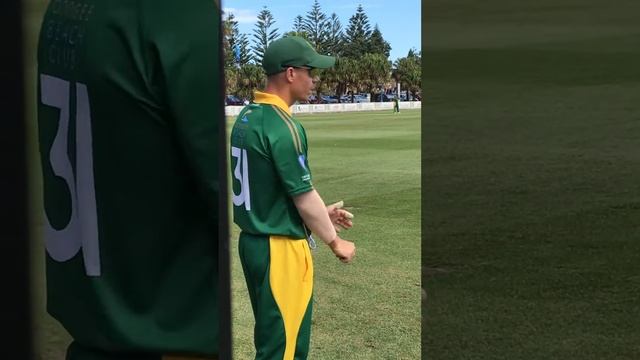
(301, 34)
(370, 69)
(341, 77)
(231, 79)
(349, 75)
(408, 71)
(375, 71)
(250, 77)
(328, 37)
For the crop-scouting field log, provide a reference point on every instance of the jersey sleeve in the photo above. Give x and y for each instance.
(289, 153)
(185, 40)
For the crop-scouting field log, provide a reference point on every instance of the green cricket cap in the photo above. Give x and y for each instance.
(293, 51)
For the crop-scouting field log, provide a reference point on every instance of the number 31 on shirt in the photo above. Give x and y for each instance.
(81, 229)
(241, 173)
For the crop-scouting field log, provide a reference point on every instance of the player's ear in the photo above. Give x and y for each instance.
(289, 74)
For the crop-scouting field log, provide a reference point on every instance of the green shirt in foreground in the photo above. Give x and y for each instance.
(129, 105)
(268, 166)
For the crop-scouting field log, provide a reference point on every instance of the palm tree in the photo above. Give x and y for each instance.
(375, 71)
(408, 71)
(343, 76)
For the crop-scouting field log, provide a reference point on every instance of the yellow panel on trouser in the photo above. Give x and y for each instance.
(291, 279)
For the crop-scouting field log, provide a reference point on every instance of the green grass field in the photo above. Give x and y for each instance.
(531, 164)
(369, 309)
(366, 310)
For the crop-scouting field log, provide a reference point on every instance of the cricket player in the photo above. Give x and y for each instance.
(276, 205)
(130, 109)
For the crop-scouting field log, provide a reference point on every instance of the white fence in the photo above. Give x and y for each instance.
(324, 108)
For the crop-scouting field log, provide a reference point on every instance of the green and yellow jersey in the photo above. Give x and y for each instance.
(269, 165)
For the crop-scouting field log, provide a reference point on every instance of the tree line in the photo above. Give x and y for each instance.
(362, 53)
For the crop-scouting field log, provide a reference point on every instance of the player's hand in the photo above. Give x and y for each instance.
(344, 250)
(340, 218)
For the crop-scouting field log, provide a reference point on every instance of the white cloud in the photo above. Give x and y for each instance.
(242, 16)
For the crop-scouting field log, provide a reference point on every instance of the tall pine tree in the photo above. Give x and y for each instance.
(236, 45)
(298, 29)
(335, 35)
(315, 25)
(244, 52)
(228, 39)
(357, 34)
(377, 44)
(263, 34)
(298, 24)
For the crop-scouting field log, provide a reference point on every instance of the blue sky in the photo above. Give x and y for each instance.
(399, 20)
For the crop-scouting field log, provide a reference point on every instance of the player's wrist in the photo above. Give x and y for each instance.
(329, 235)
(334, 242)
